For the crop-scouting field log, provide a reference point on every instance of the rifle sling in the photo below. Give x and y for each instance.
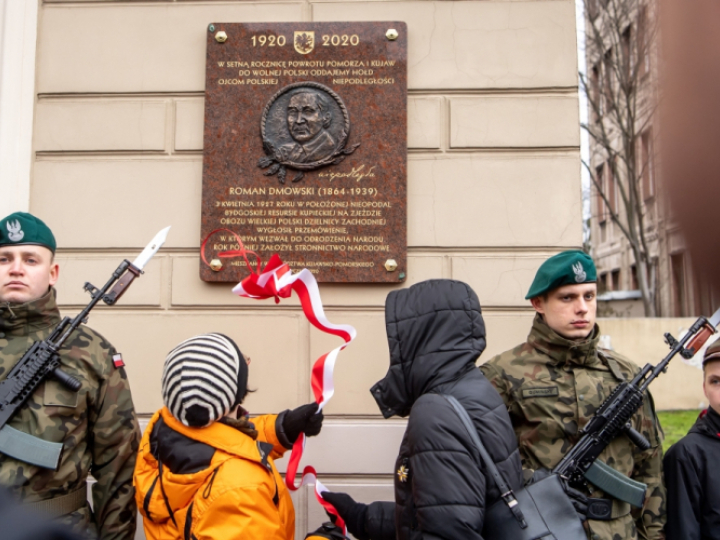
(615, 369)
(613, 366)
(29, 449)
(62, 505)
(607, 509)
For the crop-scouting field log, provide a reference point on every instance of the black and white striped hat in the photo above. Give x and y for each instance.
(203, 379)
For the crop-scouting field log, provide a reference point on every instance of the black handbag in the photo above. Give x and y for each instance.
(539, 511)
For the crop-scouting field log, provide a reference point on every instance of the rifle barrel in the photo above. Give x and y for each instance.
(97, 295)
(695, 331)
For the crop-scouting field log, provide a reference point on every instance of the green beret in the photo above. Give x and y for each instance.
(566, 268)
(22, 228)
(712, 353)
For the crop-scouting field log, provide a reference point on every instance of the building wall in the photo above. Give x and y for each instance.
(493, 189)
(641, 340)
(18, 37)
(677, 293)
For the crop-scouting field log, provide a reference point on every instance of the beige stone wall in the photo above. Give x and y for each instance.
(493, 189)
(642, 341)
(18, 39)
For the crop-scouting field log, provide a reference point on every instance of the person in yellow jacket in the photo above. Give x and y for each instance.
(205, 471)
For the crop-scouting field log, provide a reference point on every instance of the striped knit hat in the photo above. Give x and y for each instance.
(204, 378)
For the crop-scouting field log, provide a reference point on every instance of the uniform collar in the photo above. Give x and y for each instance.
(217, 435)
(562, 350)
(23, 319)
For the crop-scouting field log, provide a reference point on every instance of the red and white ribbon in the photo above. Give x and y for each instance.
(276, 280)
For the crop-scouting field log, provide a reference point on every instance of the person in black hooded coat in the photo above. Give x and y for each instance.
(436, 334)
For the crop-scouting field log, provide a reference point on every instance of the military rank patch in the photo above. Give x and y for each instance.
(403, 473)
(544, 391)
(118, 360)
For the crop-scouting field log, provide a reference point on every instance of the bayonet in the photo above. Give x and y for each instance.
(132, 269)
(151, 249)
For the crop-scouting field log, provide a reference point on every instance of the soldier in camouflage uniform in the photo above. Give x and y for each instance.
(555, 381)
(97, 425)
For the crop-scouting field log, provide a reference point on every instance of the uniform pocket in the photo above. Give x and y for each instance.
(543, 404)
(57, 394)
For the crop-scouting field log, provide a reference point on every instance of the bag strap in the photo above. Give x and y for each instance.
(506, 493)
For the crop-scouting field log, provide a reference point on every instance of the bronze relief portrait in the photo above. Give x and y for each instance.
(304, 126)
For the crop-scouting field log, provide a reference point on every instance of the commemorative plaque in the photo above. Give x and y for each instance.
(305, 149)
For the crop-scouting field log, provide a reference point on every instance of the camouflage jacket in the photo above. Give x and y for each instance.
(97, 425)
(552, 387)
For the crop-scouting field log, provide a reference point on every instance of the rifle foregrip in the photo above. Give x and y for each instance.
(68, 380)
(636, 437)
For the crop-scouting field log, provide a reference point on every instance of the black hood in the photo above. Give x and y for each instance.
(436, 333)
(708, 424)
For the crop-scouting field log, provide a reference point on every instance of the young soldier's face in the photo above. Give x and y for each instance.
(711, 384)
(26, 273)
(569, 310)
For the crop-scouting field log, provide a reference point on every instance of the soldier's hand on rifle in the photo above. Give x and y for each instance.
(577, 498)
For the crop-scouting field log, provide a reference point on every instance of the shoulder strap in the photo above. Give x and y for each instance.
(506, 493)
(612, 365)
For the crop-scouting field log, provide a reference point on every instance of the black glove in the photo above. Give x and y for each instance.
(327, 530)
(577, 498)
(302, 420)
(353, 513)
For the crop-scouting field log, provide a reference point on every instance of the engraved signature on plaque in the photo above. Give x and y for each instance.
(304, 126)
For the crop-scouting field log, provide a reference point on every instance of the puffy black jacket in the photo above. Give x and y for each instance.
(692, 478)
(436, 333)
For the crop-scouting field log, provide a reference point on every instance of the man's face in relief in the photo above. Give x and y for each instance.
(305, 118)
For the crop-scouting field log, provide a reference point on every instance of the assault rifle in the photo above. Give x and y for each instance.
(613, 419)
(42, 360)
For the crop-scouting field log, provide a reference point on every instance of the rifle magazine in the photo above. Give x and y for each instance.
(616, 484)
(29, 449)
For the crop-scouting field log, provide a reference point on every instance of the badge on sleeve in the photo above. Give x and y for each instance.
(118, 360)
(403, 473)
